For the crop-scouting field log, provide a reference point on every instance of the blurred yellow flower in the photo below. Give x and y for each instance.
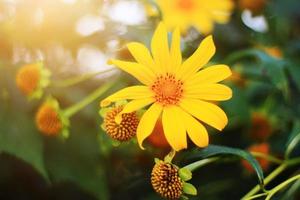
(176, 90)
(32, 78)
(202, 14)
(48, 120)
(51, 120)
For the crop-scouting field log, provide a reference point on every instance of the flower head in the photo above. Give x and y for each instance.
(31, 79)
(176, 91)
(261, 128)
(124, 130)
(169, 181)
(201, 14)
(166, 181)
(50, 120)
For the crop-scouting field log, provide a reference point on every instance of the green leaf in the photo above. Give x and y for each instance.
(294, 70)
(293, 140)
(19, 137)
(185, 174)
(215, 150)
(189, 189)
(77, 160)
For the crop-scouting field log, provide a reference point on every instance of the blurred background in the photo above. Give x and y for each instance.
(261, 44)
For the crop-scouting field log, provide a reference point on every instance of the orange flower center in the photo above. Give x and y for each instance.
(28, 78)
(168, 90)
(185, 5)
(126, 129)
(48, 120)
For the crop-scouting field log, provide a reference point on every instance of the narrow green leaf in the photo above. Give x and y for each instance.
(293, 140)
(215, 150)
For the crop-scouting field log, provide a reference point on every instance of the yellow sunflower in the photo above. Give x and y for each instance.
(175, 90)
(202, 14)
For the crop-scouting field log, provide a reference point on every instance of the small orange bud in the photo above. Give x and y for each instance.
(261, 128)
(28, 78)
(261, 148)
(273, 51)
(48, 120)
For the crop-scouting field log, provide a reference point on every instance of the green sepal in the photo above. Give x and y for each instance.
(183, 197)
(185, 174)
(156, 160)
(103, 111)
(44, 82)
(121, 102)
(115, 143)
(168, 158)
(189, 189)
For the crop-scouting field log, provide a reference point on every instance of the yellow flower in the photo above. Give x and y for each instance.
(32, 78)
(50, 119)
(174, 89)
(202, 14)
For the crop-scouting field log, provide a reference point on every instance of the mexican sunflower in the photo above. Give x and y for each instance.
(174, 90)
(202, 14)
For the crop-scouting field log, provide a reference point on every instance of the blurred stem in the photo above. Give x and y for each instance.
(282, 185)
(273, 175)
(89, 99)
(267, 157)
(257, 196)
(78, 79)
(267, 180)
(196, 165)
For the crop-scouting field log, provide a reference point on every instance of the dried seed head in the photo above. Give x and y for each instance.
(166, 181)
(48, 120)
(126, 129)
(28, 78)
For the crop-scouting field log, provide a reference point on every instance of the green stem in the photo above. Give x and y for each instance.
(78, 79)
(257, 196)
(294, 161)
(282, 185)
(89, 99)
(267, 180)
(196, 165)
(267, 157)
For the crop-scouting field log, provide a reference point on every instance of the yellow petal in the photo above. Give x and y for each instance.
(176, 57)
(133, 106)
(174, 128)
(213, 74)
(133, 92)
(206, 112)
(200, 57)
(140, 72)
(148, 122)
(160, 47)
(196, 131)
(211, 92)
(142, 55)
(223, 5)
